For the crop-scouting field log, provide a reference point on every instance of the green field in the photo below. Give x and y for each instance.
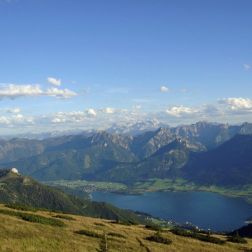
(152, 185)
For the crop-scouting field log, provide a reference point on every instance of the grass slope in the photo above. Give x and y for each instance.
(86, 234)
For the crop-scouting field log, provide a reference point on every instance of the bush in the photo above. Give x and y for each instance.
(33, 218)
(236, 239)
(116, 235)
(153, 227)
(196, 235)
(21, 207)
(209, 239)
(42, 220)
(88, 233)
(158, 238)
(100, 224)
(181, 232)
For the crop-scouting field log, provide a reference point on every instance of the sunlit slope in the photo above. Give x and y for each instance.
(18, 235)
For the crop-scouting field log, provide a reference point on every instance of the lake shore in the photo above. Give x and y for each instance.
(152, 185)
(206, 210)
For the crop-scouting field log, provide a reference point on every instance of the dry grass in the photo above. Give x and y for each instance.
(18, 235)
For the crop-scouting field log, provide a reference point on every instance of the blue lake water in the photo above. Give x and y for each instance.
(204, 209)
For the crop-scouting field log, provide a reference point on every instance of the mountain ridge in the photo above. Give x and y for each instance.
(113, 157)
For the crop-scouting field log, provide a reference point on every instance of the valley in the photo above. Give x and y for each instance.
(238, 201)
(203, 157)
(152, 185)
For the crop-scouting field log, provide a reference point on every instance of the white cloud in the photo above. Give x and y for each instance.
(164, 89)
(16, 120)
(247, 67)
(70, 117)
(233, 110)
(179, 111)
(237, 104)
(109, 110)
(137, 107)
(60, 93)
(4, 120)
(18, 117)
(54, 81)
(91, 112)
(13, 91)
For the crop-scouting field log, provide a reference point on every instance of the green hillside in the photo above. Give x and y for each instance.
(19, 190)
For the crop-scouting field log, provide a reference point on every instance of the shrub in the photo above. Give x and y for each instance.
(42, 220)
(181, 232)
(21, 207)
(196, 235)
(33, 218)
(153, 227)
(116, 235)
(99, 224)
(209, 239)
(158, 238)
(236, 239)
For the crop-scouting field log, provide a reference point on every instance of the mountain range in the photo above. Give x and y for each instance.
(204, 153)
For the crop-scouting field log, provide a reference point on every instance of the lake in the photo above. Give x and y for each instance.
(204, 209)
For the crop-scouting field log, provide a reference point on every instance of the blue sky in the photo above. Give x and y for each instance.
(177, 61)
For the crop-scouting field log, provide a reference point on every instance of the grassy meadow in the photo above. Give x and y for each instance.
(86, 234)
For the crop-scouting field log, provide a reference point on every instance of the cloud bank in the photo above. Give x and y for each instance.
(13, 91)
(232, 110)
(237, 104)
(179, 111)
